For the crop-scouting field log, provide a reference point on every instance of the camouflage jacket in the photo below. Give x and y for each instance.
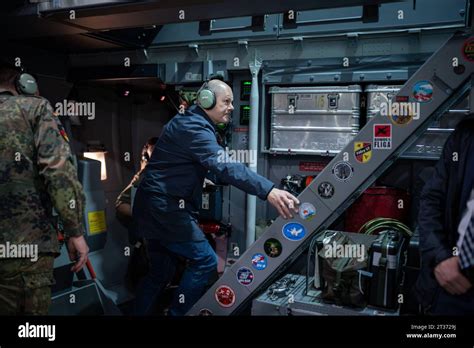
(36, 174)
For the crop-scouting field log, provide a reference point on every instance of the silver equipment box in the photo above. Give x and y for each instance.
(314, 120)
(430, 144)
(287, 297)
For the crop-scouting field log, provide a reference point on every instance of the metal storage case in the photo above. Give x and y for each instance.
(430, 144)
(275, 301)
(314, 120)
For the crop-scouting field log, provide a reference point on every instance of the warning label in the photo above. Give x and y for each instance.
(96, 221)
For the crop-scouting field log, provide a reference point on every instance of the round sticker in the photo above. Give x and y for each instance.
(245, 276)
(423, 91)
(400, 120)
(259, 262)
(326, 190)
(468, 50)
(343, 171)
(294, 231)
(205, 312)
(307, 211)
(272, 247)
(225, 296)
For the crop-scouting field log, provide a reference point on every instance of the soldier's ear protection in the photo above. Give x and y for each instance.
(205, 97)
(26, 84)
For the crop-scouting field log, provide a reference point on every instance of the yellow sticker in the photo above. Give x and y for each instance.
(97, 222)
(363, 151)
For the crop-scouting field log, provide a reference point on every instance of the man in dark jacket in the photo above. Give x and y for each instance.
(444, 286)
(167, 201)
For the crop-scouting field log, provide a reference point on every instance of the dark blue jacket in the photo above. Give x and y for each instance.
(169, 196)
(442, 202)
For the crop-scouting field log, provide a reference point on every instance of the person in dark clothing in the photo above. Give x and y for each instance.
(166, 204)
(139, 259)
(123, 204)
(445, 219)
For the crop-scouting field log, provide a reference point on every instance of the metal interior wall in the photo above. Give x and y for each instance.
(401, 44)
(426, 13)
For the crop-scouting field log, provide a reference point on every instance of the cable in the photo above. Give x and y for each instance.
(308, 261)
(377, 224)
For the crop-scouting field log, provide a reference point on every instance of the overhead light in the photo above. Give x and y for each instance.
(162, 98)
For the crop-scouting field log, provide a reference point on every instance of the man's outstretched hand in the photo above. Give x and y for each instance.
(284, 202)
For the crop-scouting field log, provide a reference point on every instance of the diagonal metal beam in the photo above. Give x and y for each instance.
(434, 88)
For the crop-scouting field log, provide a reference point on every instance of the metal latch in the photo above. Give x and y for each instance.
(333, 101)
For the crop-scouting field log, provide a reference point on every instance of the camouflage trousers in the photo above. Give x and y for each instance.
(25, 286)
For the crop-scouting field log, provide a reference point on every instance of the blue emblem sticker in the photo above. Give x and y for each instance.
(294, 231)
(245, 276)
(423, 91)
(307, 211)
(259, 262)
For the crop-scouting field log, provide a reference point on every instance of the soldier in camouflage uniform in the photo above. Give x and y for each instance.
(36, 174)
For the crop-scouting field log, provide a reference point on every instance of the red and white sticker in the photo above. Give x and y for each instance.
(402, 99)
(382, 136)
(225, 296)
